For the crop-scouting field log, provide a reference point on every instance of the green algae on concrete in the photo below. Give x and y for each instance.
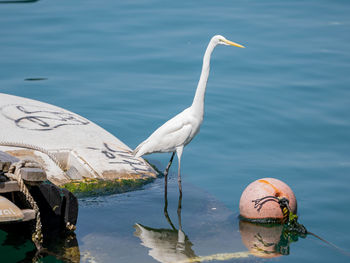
(93, 187)
(160, 173)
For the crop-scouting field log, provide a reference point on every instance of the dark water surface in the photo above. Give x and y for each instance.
(279, 108)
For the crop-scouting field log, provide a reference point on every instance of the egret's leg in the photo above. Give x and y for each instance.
(169, 164)
(179, 153)
(166, 177)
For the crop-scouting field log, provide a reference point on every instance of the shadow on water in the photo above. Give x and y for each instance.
(16, 245)
(18, 1)
(35, 79)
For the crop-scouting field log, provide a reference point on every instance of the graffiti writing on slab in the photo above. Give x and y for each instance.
(121, 156)
(37, 118)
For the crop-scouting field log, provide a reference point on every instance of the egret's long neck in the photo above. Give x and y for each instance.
(198, 101)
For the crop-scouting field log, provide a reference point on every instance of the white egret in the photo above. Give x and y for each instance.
(177, 132)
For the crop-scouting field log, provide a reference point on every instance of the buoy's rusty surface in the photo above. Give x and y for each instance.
(258, 200)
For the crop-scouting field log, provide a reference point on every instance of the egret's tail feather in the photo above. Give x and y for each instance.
(137, 152)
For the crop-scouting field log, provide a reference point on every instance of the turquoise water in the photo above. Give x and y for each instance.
(279, 108)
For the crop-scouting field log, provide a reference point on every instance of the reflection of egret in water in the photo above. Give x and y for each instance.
(167, 245)
(173, 245)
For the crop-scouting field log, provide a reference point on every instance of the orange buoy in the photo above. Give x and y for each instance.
(259, 201)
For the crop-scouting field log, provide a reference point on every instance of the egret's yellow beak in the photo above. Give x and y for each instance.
(233, 43)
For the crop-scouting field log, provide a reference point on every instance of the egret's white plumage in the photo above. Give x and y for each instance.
(177, 132)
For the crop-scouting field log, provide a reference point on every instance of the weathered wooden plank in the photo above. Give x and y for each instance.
(6, 160)
(33, 174)
(9, 186)
(29, 214)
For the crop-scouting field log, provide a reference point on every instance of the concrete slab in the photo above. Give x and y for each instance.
(70, 147)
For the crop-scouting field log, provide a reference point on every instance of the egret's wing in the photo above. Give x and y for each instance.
(174, 124)
(167, 137)
(175, 138)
